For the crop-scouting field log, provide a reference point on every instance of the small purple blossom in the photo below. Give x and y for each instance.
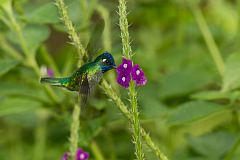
(124, 79)
(125, 66)
(50, 72)
(138, 76)
(125, 71)
(65, 156)
(81, 154)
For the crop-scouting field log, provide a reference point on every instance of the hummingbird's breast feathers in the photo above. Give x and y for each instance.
(89, 74)
(94, 75)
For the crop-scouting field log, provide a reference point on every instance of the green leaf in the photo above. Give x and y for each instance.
(210, 95)
(34, 35)
(44, 14)
(192, 111)
(152, 107)
(214, 95)
(10, 106)
(213, 145)
(231, 77)
(182, 82)
(6, 65)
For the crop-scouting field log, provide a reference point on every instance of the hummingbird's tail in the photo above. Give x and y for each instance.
(60, 82)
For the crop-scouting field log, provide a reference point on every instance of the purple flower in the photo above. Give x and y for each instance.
(138, 76)
(125, 71)
(81, 154)
(124, 79)
(65, 156)
(125, 66)
(50, 72)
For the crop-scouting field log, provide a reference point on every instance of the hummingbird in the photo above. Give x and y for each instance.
(86, 77)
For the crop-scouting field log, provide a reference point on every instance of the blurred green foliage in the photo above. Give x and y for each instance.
(191, 111)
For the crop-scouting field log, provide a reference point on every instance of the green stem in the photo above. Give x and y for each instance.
(123, 23)
(106, 37)
(232, 151)
(127, 51)
(85, 13)
(7, 48)
(96, 151)
(135, 122)
(16, 27)
(74, 130)
(152, 145)
(110, 143)
(68, 65)
(15, 143)
(40, 135)
(211, 44)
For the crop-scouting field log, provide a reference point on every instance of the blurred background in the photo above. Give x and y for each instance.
(189, 51)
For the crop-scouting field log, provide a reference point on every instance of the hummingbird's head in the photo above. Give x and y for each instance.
(106, 61)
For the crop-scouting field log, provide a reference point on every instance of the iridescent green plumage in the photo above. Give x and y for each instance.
(86, 77)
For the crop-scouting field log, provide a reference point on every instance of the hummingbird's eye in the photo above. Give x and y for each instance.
(105, 61)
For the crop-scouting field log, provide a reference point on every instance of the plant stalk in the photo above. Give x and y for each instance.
(74, 131)
(127, 52)
(210, 42)
(40, 134)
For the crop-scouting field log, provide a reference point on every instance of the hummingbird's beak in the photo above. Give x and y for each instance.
(115, 67)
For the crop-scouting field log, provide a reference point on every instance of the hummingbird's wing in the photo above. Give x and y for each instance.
(87, 84)
(84, 89)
